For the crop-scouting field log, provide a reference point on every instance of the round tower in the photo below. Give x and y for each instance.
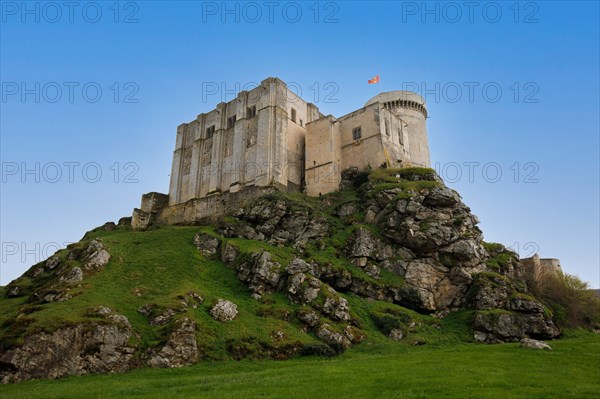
(410, 107)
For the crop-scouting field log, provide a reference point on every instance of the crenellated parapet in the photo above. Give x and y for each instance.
(406, 104)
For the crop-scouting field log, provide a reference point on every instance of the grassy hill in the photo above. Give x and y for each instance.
(164, 271)
(160, 266)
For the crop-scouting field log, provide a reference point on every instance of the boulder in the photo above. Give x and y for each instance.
(396, 334)
(529, 343)
(224, 310)
(95, 256)
(499, 325)
(207, 245)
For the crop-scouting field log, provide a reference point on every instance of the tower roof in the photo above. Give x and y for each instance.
(395, 96)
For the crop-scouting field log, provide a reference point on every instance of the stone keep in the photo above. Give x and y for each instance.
(257, 139)
(270, 138)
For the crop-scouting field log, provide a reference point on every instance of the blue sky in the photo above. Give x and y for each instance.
(512, 91)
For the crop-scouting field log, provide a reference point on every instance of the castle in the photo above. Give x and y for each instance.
(270, 138)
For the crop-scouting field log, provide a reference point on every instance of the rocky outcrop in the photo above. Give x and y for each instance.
(419, 230)
(503, 326)
(206, 244)
(272, 219)
(95, 256)
(52, 279)
(72, 350)
(505, 313)
(260, 272)
(181, 348)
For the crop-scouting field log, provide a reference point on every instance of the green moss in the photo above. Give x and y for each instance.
(492, 247)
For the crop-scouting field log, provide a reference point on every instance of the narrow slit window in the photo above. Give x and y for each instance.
(231, 121)
(210, 131)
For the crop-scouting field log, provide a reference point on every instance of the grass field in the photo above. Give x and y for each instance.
(571, 370)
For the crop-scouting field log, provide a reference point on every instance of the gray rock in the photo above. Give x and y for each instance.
(294, 284)
(206, 244)
(441, 197)
(364, 245)
(103, 311)
(163, 318)
(326, 333)
(501, 326)
(95, 256)
(14, 292)
(311, 291)
(299, 266)
(529, 343)
(109, 226)
(125, 221)
(396, 334)
(72, 350)
(181, 348)
(348, 209)
(52, 262)
(224, 310)
(336, 307)
(73, 276)
(229, 253)
(261, 273)
(311, 318)
(372, 271)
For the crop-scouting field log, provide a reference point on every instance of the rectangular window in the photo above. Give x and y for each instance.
(293, 115)
(210, 131)
(251, 111)
(356, 133)
(231, 121)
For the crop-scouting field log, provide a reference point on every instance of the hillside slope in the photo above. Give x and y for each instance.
(396, 256)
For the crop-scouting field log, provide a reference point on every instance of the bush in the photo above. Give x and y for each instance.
(572, 303)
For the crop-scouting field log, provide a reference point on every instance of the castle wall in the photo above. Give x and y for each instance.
(539, 267)
(261, 146)
(324, 156)
(296, 137)
(204, 210)
(368, 150)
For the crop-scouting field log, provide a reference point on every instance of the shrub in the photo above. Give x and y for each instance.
(572, 303)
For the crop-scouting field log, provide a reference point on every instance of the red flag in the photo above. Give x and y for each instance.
(374, 80)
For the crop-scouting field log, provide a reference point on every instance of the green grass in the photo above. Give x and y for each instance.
(462, 371)
(163, 264)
